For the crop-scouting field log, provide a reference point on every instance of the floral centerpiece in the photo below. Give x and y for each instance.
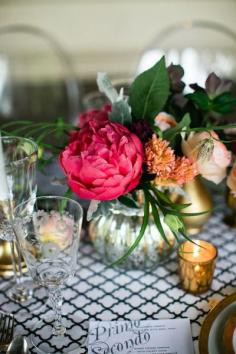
(155, 140)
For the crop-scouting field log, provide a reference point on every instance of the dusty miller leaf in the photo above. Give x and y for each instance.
(59, 181)
(121, 112)
(93, 207)
(99, 208)
(105, 86)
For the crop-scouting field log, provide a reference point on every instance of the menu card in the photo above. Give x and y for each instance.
(171, 336)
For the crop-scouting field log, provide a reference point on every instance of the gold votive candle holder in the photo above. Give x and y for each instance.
(196, 265)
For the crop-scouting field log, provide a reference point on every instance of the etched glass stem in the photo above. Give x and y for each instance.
(18, 258)
(14, 262)
(6, 234)
(56, 301)
(15, 253)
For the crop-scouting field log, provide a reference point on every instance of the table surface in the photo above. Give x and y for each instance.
(103, 293)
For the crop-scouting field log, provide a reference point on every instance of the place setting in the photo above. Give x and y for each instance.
(136, 253)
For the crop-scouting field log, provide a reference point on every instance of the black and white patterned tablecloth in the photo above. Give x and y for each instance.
(102, 293)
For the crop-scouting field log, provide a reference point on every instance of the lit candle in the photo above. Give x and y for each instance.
(4, 194)
(196, 265)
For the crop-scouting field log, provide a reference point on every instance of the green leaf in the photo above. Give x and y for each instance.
(178, 206)
(164, 198)
(201, 99)
(127, 201)
(174, 223)
(60, 127)
(224, 103)
(44, 134)
(19, 122)
(169, 209)
(172, 132)
(209, 128)
(179, 213)
(149, 92)
(189, 239)
(141, 233)
(154, 203)
(177, 237)
(64, 202)
(158, 223)
(158, 131)
(68, 193)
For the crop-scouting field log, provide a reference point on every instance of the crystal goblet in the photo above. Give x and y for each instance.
(18, 184)
(47, 229)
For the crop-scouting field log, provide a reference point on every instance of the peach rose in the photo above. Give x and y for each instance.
(56, 230)
(164, 121)
(211, 156)
(231, 180)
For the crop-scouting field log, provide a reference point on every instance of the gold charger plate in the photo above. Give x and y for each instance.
(212, 330)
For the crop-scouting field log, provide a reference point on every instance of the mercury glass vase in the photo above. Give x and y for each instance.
(113, 234)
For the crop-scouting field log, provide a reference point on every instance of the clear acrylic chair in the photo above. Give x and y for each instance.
(199, 46)
(37, 81)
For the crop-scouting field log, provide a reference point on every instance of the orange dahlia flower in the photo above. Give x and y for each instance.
(183, 172)
(169, 169)
(160, 158)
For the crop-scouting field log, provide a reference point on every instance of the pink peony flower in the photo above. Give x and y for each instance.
(104, 161)
(164, 121)
(101, 115)
(231, 180)
(211, 156)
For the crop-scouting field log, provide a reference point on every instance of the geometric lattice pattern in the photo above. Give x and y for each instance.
(103, 293)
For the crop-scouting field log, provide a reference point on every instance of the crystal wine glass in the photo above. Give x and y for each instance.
(47, 229)
(18, 157)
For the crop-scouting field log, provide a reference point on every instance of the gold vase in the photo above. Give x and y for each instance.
(230, 218)
(199, 196)
(6, 268)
